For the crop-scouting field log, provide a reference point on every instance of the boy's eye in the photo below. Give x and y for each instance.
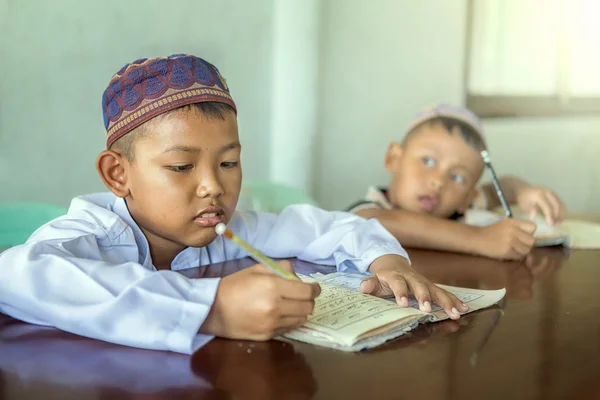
(180, 168)
(428, 161)
(458, 178)
(229, 164)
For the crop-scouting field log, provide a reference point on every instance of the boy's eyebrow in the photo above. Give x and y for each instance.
(191, 149)
(187, 149)
(232, 145)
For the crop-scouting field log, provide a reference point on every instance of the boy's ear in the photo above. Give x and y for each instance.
(112, 168)
(393, 154)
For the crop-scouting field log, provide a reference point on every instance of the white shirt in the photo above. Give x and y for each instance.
(89, 272)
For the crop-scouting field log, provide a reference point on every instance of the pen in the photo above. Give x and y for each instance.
(221, 229)
(488, 163)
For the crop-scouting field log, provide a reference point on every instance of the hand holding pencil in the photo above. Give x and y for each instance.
(257, 304)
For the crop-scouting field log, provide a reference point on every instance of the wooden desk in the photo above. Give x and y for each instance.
(546, 345)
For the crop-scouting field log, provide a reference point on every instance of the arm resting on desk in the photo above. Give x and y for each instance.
(68, 284)
(424, 231)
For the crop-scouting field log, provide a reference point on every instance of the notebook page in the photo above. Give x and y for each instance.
(344, 315)
(582, 234)
(310, 336)
(474, 298)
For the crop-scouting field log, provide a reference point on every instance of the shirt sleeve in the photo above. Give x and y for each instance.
(77, 286)
(314, 235)
(363, 205)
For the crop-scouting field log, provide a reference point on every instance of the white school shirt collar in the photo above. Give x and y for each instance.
(188, 258)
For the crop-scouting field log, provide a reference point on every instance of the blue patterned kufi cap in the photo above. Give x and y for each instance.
(149, 87)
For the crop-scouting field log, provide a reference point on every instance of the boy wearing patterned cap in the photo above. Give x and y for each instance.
(435, 170)
(107, 269)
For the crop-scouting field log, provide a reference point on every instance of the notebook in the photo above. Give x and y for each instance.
(347, 320)
(570, 233)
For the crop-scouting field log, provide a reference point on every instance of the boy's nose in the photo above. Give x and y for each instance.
(209, 186)
(436, 181)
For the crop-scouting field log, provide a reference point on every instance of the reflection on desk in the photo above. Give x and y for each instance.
(56, 361)
(41, 354)
(543, 344)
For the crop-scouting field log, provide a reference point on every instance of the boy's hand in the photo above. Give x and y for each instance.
(392, 275)
(256, 304)
(509, 239)
(534, 198)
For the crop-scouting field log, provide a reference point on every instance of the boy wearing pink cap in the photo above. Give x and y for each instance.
(108, 268)
(435, 170)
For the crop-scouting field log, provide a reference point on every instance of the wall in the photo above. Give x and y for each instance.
(294, 92)
(380, 62)
(56, 58)
(560, 153)
(322, 86)
(383, 60)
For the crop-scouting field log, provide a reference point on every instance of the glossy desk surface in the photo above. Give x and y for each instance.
(543, 342)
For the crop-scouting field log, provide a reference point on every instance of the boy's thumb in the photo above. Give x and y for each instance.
(369, 285)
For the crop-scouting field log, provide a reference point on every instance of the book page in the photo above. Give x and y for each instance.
(344, 315)
(474, 298)
(582, 234)
(347, 320)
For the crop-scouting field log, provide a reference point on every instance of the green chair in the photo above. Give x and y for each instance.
(271, 197)
(19, 220)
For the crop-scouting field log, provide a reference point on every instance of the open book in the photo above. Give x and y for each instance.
(345, 319)
(570, 233)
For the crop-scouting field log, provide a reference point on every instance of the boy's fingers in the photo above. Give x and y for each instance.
(556, 206)
(544, 206)
(453, 299)
(296, 308)
(399, 287)
(524, 244)
(451, 305)
(533, 213)
(297, 290)
(562, 210)
(372, 286)
(288, 323)
(421, 292)
(520, 250)
(525, 240)
(527, 226)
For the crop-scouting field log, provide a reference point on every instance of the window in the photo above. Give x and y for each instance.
(533, 57)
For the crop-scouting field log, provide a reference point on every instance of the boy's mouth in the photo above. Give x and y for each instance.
(429, 203)
(209, 217)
